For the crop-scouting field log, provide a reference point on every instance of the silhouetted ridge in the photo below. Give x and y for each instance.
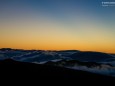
(91, 56)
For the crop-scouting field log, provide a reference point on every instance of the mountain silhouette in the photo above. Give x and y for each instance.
(91, 56)
(12, 68)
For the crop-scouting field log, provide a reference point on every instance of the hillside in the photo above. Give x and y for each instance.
(11, 68)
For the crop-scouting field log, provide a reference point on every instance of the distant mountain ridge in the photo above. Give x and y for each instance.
(40, 55)
(91, 56)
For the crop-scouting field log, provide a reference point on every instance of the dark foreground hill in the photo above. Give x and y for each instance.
(14, 69)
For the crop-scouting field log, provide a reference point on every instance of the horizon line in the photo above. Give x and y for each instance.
(58, 50)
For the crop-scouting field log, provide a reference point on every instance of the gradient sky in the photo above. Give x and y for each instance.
(57, 25)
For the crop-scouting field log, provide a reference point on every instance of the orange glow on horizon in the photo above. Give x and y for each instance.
(59, 47)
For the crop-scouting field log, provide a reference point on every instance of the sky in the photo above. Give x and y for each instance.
(84, 25)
